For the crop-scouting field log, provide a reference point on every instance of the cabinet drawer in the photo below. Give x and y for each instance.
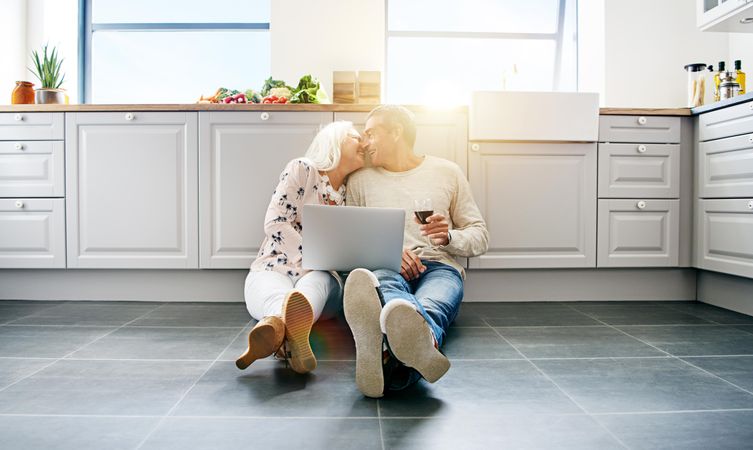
(641, 129)
(639, 170)
(725, 236)
(32, 233)
(32, 126)
(725, 167)
(32, 169)
(730, 121)
(638, 233)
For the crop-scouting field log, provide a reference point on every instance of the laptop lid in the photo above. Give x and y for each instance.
(348, 237)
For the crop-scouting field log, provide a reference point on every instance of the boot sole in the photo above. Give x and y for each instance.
(299, 318)
(261, 343)
(362, 309)
(411, 341)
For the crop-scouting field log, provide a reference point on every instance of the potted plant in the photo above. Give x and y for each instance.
(47, 70)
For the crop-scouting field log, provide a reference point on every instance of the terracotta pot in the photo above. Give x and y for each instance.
(50, 96)
(23, 93)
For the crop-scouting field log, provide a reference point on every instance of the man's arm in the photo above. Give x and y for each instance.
(469, 236)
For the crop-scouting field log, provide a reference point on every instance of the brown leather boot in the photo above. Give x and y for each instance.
(299, 318)
(263, 340)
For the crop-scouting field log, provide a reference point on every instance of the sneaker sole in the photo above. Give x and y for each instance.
(299, 318)
(411, 341)
(362, 309)
(261, 343)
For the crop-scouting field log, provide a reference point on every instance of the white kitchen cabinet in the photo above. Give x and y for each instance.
(438, 133)
(539, 202)
(639, 129)
(639, 170)
(240, 159)
(638, 233)
(726, 122)
(724, 236)
(725, 167)
(131, 181)
(32, 233)
(32, 126)
(725, 15)
(32, 169)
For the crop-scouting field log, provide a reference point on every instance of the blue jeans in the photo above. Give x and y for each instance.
(437, 294)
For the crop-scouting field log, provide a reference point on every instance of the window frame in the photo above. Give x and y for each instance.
(87, 29)
(557, 36)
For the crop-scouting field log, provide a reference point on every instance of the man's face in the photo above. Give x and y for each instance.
(380, 142)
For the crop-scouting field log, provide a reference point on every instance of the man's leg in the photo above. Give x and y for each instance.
(439, 290)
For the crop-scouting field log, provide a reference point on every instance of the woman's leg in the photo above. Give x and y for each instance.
(264, 293)
(323, 292)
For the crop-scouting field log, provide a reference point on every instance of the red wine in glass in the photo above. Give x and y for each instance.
(423, 215)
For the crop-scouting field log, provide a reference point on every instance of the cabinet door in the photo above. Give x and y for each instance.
(639, 170)
(32, 233)
(32, 169)
(725, 167)
(725, 236)
(131, 181)
(638, 233)
(645, 129)
(32, 126)
(730, 121)
(438, 133)
(240, 159)
(539, 202)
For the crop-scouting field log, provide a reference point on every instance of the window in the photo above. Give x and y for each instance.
(163, 51)
(438, 51)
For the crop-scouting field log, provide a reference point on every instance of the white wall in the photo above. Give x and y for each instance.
(741, 47)
(647, 43)
(324, 36)
(12, 46)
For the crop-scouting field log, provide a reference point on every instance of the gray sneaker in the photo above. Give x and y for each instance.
(362, 308)
(411, 340)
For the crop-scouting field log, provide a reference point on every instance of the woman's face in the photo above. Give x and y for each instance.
(352, 152)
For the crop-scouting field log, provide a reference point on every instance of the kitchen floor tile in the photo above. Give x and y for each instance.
(11, 310)
(711, 313)
(46, 341)
(695, 340)
(87, 314)
(267, 388)
(629, 314)
(720, 430)
(575, 342)
(102, 388)
(196, 315)
(477, 343)
(735, 369)
(182, 433)
(537, 316)
(14, 369)
(642, 385)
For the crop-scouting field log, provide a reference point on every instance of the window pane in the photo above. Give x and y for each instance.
(173, 11)
(498, 16)
(175, 67)
(446, 70)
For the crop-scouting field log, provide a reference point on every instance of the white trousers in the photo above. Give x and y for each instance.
(265, 292)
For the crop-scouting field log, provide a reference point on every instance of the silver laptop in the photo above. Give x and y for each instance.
(348, 237)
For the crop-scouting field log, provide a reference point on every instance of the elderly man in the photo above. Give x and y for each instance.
(400, 320)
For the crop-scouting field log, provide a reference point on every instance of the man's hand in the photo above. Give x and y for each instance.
(411, 266)
(437, 228)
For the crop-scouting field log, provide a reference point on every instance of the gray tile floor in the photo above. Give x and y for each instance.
(130, 375)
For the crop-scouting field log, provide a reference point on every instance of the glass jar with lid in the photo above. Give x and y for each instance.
(696, 84)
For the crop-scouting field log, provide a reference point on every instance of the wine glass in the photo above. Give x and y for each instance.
(423, 208)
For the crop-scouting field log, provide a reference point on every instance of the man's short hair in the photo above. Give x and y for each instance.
(396, 114)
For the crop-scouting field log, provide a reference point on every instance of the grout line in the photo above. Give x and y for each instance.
(161, 421)
(72, 352)
(379, 416)
(680, 411)
(609, 432)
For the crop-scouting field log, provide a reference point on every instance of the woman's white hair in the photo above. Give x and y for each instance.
(324, 151)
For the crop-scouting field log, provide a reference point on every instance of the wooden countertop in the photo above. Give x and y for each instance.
(294, 107)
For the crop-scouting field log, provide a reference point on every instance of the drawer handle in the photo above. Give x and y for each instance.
(19, 204)
(19, 146)
(641, 204)
(475, 147)
(750, 139)
(750, 204)
(129, 116)
(641, 148)
(265, 116)
(642, 120)
(19, 117)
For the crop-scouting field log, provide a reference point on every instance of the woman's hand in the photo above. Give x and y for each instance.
(437, 228)
(411, 266)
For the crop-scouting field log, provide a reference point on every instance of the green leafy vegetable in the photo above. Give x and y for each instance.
(270, 83)
(307, 90)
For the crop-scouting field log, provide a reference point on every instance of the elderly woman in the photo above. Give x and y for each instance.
(279, 293)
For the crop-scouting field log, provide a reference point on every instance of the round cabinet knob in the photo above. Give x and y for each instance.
(475, 147)
(265, 116)
(641, 204)
(19, 117)
(19, 146)
(750, 139)
(19, 204)
(642, 120)
(641, 148)
(129, 116)
(750, 204)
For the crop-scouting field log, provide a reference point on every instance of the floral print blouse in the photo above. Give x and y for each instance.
(300, 184)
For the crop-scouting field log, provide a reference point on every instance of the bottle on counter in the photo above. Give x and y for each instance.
(740, 76)
(728, 87)
(718, 79)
